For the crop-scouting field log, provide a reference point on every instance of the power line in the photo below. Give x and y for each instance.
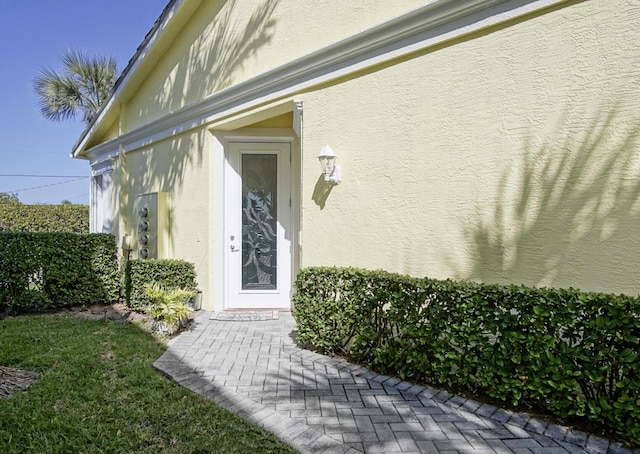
(44, 186)
(78, 197)
(41, 176)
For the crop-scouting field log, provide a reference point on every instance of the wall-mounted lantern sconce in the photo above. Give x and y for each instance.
(332, 172)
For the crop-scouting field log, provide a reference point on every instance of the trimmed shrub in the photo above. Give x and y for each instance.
(67, 218)
(169, 274)
(572, 353)
(40, 271)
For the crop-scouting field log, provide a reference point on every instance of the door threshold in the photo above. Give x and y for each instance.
(244, 315)
(257, 309)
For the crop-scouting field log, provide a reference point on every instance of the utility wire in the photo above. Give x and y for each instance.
(78, 197)
(44, 186)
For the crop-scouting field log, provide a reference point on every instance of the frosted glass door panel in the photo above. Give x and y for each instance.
(259, 221)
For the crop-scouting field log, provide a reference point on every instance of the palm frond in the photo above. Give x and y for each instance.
(83, 84)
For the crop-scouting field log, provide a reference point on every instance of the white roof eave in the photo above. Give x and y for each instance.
(122, 84)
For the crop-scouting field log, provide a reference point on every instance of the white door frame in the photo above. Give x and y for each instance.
(221, 143)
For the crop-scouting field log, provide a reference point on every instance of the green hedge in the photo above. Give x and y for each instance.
(40, 271)
(168, 273)
(18, 217)
(572, 353)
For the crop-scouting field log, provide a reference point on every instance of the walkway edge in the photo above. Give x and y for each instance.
(180, 363)
(295, 434)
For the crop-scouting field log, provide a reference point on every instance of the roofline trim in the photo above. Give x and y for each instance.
(121, 83)
(437, 22)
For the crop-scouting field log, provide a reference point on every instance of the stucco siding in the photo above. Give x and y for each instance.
(111, 133)
(179, 167)
(510, 156)
(229, 41)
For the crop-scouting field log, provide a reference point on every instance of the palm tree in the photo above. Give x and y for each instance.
(81, 87)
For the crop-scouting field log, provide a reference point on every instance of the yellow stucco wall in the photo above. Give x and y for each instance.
(179, 167)
(112, 132)
(281, 121)
(233, 40)
(511, 156)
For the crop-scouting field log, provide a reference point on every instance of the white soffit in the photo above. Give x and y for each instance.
(436, 22)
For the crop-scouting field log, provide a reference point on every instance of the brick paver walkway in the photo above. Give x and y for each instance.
(319, 404)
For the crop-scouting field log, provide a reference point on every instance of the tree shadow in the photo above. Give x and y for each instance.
(197, 74)
(568, 214)
(216, 58)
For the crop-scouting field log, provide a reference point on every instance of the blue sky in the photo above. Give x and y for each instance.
(34, 34)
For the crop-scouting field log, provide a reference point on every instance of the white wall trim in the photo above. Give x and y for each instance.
(101, 168)
(297, 117)
(218, 231)
(101, 208)
(436, 22)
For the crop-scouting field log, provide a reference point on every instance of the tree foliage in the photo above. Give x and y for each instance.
(81, 87)
(8, 198)
(19, 217)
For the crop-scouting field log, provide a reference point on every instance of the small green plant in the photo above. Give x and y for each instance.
(168, 308)
(168, 273)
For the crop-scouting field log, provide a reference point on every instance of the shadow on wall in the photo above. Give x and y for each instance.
(107, 226)
(227, 56)
(321, 192)
(163, 167)
(217, 57)
(568, 214)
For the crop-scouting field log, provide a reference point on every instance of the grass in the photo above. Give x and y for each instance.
(98, 393)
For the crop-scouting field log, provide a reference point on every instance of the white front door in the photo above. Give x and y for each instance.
(258, 226)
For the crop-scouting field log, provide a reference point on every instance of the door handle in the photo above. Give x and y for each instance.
(233, 246)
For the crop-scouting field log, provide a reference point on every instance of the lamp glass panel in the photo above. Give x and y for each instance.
(327, 164)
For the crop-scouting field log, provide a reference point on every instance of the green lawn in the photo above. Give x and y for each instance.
(98, 393)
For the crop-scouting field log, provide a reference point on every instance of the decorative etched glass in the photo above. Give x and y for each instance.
(259, 221)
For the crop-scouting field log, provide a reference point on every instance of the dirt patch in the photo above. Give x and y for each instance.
(13, 380)
(120, 312)
(115, 311)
